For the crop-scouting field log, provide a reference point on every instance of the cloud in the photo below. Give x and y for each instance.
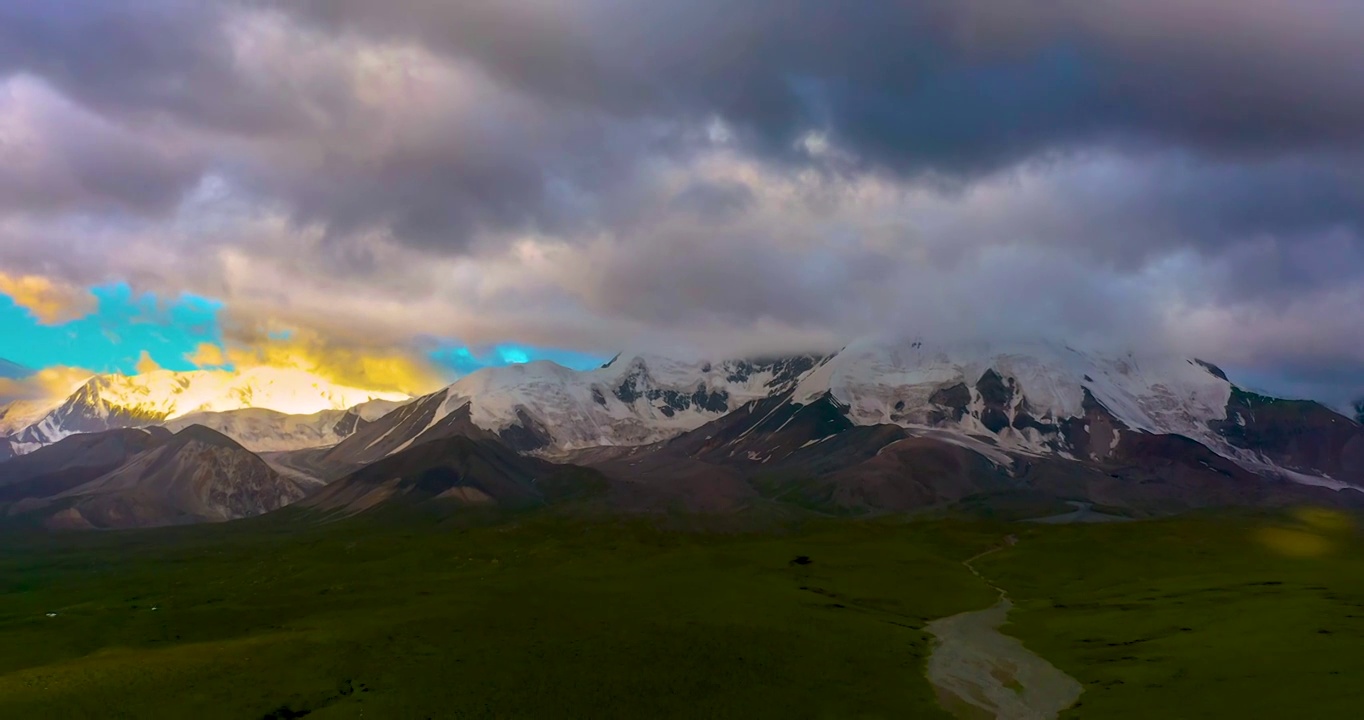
(386, 180)
(141, 60)
(207, 356)
(56, 156)
(368, 368)
(50, 383)
(945, 85)
(146, 364)
(50, 302)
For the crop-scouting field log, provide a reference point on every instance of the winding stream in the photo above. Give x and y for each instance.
(979, 672)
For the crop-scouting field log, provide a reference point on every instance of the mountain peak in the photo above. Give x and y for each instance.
(205, 436)
(116, 400)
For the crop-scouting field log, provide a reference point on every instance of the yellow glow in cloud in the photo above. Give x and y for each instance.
(363, 368)
(51, 303)
(146, 364)
(48, 383)
(207, 355)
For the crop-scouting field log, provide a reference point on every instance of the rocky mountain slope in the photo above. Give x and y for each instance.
(21, 413)
(459, 469)
(73, 461)
(1024, 400)
(814, 456)
(548, 409)
(263, 430)
(98, 481)
(1051, 400)
(898, 426)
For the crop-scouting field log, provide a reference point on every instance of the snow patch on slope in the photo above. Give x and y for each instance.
(634, 401)
(1147, 394)
(19, 414)
(891, 382)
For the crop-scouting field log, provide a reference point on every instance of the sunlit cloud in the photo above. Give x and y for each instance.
(49, 383)
(378, 369)
(207, 355)
(51, 303)
(146, 364)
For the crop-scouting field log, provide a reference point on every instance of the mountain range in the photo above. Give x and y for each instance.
(883, 425)
(105, 402)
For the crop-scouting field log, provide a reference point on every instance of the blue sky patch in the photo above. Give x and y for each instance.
(463, 360)
(113, 337)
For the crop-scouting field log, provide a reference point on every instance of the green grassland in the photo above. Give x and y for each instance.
(1196, 617)
(412, 615)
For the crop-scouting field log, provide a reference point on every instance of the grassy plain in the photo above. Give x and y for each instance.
(411, 615)
(1195, 617)
(422, 615)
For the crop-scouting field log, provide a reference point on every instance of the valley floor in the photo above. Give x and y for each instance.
(430, 615)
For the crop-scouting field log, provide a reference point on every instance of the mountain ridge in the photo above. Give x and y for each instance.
(110, 401)
(194, 475)
(882, 425)
(1025, 399)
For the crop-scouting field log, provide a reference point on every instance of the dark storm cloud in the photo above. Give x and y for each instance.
(275, 108)
(946, 90)
(933, 85)
(1257, 95)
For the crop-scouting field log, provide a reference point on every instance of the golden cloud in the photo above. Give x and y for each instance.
(373, 369)
(146, 364)
(49, 383)
(207, 355)
(50, 302)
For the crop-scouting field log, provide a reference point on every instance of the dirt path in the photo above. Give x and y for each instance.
(979, 672)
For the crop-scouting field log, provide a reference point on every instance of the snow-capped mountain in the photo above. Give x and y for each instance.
(1050, 400)
(632, 401)
(545, 408)
(19, 414)
(883, 424)
(1003, 401)
(262, 430)
(112, 401)
(1019, 393)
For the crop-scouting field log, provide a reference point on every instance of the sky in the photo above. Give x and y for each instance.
(401, 192)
